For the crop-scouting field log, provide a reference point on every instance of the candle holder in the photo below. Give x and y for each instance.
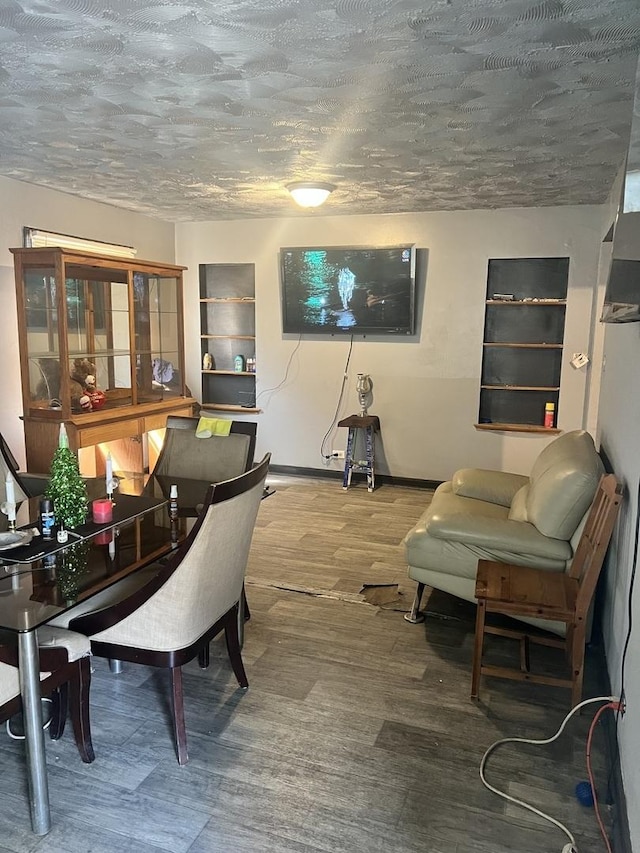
(9, 509)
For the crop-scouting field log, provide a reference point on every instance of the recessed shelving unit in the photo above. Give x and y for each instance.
(523, 342)
(227, 325)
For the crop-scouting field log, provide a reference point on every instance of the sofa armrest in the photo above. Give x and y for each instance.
(497, 534)
(496, 487)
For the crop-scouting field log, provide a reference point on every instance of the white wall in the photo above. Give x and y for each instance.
(618, 423)
(24, 204)
(426, 391)
(620, 438)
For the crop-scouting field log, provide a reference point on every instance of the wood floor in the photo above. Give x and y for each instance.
(357, 734)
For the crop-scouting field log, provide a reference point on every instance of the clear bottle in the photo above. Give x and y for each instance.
(173, 514)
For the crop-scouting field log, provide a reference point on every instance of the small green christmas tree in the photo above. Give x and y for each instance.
(66, 487)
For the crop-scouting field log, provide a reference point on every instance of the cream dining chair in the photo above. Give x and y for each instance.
(165, 615)
(65, 676)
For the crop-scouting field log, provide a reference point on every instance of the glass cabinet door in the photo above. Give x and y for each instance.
(98, 339)
(42, 338)
(157, 337)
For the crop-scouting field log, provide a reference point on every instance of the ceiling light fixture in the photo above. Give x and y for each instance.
(309, 193)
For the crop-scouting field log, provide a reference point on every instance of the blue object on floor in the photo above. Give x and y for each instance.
(584, 793)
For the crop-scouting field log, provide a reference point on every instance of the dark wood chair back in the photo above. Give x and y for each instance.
(594, 541)
(523, 592)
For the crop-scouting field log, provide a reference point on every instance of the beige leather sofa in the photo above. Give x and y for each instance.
(493, 515)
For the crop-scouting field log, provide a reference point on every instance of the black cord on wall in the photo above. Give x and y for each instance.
(345, 376)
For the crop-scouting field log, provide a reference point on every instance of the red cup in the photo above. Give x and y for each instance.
(102, 510)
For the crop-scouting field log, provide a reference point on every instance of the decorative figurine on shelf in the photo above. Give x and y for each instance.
(83, 385)
(66, 487)
(363, 387)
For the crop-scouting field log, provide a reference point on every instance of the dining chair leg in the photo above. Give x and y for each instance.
(245, 605)
(241, 618)
(203, 656)
(233, 647)
(578, 639)
(477, 648)
(79, 691)
(179, 725)
(59, 710)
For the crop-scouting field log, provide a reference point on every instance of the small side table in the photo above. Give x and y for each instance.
(370, 424)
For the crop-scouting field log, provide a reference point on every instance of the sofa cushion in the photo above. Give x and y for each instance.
(474, 530)
(561, 486)
(497, 487)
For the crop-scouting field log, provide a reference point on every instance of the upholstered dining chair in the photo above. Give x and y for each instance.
(65, 677)
(165, 615)
(26, 485)
(194, 463)
(519, 591)
(30, 485)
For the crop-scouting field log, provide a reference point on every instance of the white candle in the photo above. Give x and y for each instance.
(63, 438)
(109, 474)
(10, 496)
(9, 488)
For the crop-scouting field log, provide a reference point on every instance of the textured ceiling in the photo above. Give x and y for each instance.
(206, 109)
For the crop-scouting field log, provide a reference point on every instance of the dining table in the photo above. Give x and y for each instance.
(42, 578)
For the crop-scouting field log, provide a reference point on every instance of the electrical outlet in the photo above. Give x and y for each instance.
(339, 454)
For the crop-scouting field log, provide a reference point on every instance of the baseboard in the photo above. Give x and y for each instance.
(613, 794)
(357, 476)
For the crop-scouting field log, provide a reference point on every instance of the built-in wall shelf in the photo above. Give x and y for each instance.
(216, 407)
(517, 428)
(523, 342)
(227, 337)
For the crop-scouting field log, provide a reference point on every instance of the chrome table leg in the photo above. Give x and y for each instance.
(29, 671)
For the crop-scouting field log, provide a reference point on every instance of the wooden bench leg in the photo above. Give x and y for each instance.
(578, 639)
(477, 648)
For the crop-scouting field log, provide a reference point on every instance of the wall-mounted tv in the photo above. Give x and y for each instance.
(354, 290)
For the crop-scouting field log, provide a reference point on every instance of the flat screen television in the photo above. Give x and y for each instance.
(337, 290)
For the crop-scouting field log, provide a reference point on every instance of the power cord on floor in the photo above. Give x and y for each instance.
(45, 725)
(571, 847)
(618, 707)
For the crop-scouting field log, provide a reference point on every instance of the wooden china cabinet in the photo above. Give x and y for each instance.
(120, 320)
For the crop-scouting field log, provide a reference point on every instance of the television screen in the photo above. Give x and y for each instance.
(353, 290)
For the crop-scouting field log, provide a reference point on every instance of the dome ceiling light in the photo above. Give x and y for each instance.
(310, 193)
